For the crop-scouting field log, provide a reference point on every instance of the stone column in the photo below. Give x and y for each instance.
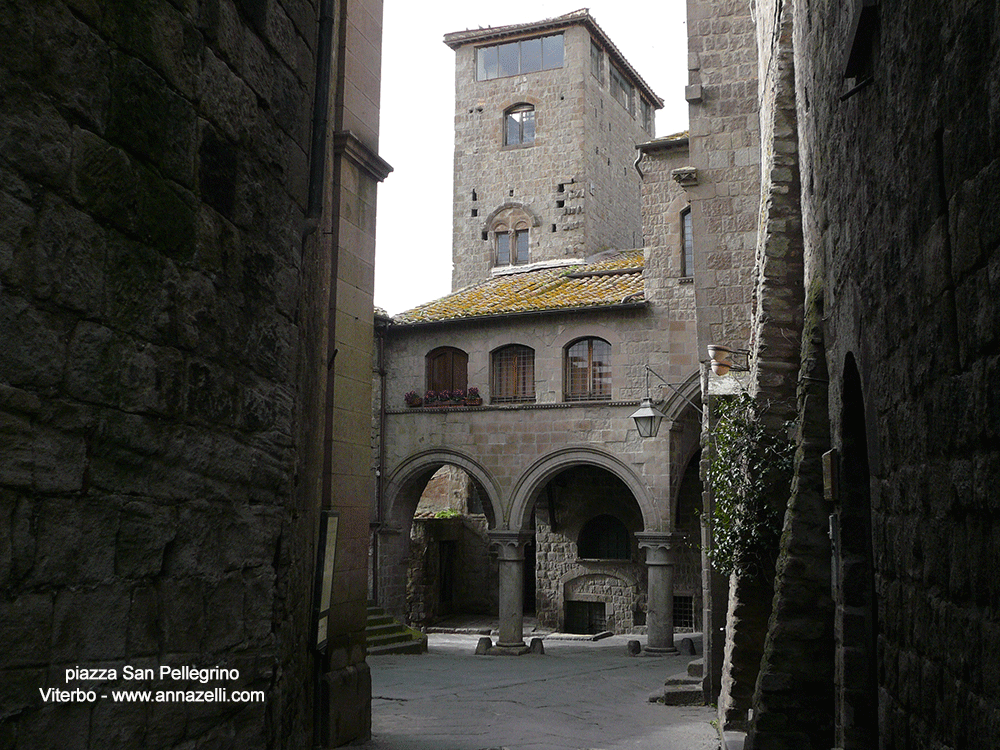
(511, 547)
(660, 594)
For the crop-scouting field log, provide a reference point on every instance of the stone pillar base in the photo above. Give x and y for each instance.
(499, 650)
(664, 651)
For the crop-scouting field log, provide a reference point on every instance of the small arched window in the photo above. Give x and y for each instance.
(519, 125)
(604, 538)
(588, 370)
(447, 369)
(512, 376)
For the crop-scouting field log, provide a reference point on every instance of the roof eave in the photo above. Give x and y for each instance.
(521, 314)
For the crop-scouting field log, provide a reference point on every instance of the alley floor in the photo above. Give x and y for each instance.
(578, 695)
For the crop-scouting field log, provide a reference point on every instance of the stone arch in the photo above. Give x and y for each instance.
(512, 207)
(535, 477)
(426, 463)
(678, 400)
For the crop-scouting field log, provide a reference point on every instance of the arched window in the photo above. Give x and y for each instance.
(512, 376)
(447, 369)
(519, 125)
(588, 370)
(604, 538)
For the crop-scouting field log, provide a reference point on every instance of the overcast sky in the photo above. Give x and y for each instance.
(413, 242)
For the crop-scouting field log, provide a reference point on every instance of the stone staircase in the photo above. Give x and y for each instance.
(384, 635)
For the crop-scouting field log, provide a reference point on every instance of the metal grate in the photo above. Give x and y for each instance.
(684, 612)
(513, 375)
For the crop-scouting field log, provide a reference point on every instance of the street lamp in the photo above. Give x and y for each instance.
(647, 417)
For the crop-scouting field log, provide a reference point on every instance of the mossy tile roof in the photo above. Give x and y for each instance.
(611, 280)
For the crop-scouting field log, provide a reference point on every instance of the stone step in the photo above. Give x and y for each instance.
(696, 668)
(384, 635)
(679, 690)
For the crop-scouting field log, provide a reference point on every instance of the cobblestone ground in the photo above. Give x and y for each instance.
(579, 695)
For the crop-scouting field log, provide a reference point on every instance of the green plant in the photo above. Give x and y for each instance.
(750, 475)
(447, 513)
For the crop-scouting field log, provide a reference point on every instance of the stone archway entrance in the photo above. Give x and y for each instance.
(434, 558)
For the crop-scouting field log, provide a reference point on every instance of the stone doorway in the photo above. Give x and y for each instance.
(451, 569)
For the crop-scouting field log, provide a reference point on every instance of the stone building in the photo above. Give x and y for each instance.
(873, 320)
(186, 240)
(563, 297)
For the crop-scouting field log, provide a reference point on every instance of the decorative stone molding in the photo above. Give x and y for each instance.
(348, 144)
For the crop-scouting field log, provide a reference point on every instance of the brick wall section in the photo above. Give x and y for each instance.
(160, 388)
(584, 141)
(902, 226)
(725, 149)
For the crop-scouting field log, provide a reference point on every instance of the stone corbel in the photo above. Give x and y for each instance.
(685, 176)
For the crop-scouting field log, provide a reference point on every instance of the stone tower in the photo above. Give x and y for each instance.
(547, 117)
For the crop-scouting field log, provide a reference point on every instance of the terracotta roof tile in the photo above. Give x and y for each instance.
(613, 279)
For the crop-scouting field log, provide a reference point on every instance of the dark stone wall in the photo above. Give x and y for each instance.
(161, 329)
(902, 225)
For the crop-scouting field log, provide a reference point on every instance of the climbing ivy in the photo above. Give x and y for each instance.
(750, 475)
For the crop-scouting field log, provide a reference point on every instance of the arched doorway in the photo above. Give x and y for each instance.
(434, 551)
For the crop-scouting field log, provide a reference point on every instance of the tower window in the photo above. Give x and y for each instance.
(514, 58)
(596, 63)
(512, 246)
(519, 125)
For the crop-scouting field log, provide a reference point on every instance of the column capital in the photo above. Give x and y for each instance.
(659, 545)
(510, 543)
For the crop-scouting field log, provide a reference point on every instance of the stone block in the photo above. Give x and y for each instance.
(79, 635)
(151, 119)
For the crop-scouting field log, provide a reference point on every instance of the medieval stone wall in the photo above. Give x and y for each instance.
(905, 220)
(164, 331)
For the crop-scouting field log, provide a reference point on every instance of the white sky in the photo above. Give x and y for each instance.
(413, 235)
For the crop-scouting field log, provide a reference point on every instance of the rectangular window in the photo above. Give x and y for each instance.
(503, 249)
(552, 52)
(687, 244)
(510, 59)
(621, 89)
(514, 58)
(487, 66)
(519, 125)
(531, 55)
(647, 117)
(596, 62)
(522, 246)
(684, 612)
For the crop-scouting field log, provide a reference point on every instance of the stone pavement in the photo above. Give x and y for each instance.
(578, 695)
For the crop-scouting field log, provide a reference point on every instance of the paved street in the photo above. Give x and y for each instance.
(578, 695)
